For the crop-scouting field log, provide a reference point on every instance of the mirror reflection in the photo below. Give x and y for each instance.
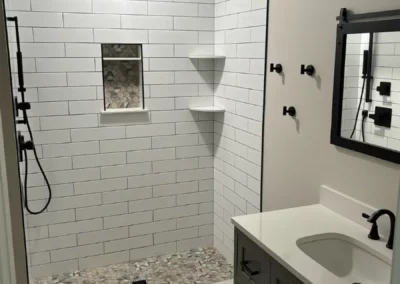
(371, 91)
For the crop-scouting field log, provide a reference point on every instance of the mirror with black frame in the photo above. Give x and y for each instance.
(366, 105)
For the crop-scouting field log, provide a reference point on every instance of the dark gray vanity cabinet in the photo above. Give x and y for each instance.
(254, 266)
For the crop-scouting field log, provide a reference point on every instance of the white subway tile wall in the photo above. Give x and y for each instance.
(240, 28)
(386, 68)
(131, 186)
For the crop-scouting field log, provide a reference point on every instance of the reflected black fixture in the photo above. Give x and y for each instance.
(290, 111)
(350, 23)
(374, 235)
(382, 116)
(277, 68)
(309, 70)
(384, 88)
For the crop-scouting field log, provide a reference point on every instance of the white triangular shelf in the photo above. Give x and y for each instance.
(207, 109)
(206, 56)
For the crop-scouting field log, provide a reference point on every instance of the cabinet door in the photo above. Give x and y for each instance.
(280, 275)
(252, 264)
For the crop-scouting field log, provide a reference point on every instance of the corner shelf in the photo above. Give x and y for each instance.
(207, 109)
(206, 56)
(124, 110)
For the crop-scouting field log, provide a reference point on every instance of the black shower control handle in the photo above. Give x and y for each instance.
(277, 68)
(309, 70)
(289, 110)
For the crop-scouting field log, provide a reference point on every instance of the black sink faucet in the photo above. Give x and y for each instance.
(374, 235)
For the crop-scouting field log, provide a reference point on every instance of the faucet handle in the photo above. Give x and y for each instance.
(373, 234)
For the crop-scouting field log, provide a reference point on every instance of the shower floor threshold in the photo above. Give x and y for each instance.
(200, 266)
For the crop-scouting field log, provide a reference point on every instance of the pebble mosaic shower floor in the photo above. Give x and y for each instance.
(197, 266)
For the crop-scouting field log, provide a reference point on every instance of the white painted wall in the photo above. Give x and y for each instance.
(240, 34)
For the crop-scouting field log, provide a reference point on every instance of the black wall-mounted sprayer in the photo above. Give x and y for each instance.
(24, 146)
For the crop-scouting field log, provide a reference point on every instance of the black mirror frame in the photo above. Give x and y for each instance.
(344, 28)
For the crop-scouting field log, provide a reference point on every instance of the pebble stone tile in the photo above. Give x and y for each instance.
(196, 266)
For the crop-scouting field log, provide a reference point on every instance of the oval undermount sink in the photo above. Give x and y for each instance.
(347, 258)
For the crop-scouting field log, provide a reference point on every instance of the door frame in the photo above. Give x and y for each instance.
(13, 256)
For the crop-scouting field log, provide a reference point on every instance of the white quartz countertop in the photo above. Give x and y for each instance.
(277, 232)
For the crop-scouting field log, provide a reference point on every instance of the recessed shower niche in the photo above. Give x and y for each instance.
(122, 76)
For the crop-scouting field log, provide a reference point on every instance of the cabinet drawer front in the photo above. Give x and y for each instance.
(252, 265)
(281, 275)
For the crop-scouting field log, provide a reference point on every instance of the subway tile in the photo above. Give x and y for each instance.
(248, 139)
(206, 230)
(248, 194)
(235, 199)
(33, 80)
(124, 144)
(187, 102)
(36, 19)
(173, 116)
(71, 202)
(70, 149)
(85, 79)
(153, 179)
(175, 37)
(176, 188)
(150, 130)
(103, 235)
(66, 93)
(151, 251)
(92, 134)
(159, 78)
(250, 81)
(62, 35)
(158, 50)
(173, 9)
(37, 233)
(54, 268)
(174, 90)
(18, 5)
(166, 237)
(76, 252)
(39, 258)
(172, 64)
(62, 5)
(251, 50)
(193, 198)
(100, 185)
(64, 64)
(248, 167)
(83, 50)
(56, 164)
(48, 109)
(51, 137)
(89, 161)
(194, 127)
(91, 21)
(128, 219)
(120, 36)
(187, 50)
(151, 228)
(194, 151)
(120, 7)
(43, 50)
(127, 195)
(151, 155)
(160, 104)
(151, 204)
(147, 23)
(52, 243)
(50, 218)
(206, 207)
(193, 221)
(105, 259)
(125, 170)
(194, 24)
(175, 165)
(253, 18)
(101, 211)
(194, 77)
(196, 242)
(71, 121)
(175, 212)
(75, 227)
(125, 244)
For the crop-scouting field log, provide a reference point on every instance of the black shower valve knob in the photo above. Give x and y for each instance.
(309, 70)
(21, 106)
(277, 68)
(289, 110)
